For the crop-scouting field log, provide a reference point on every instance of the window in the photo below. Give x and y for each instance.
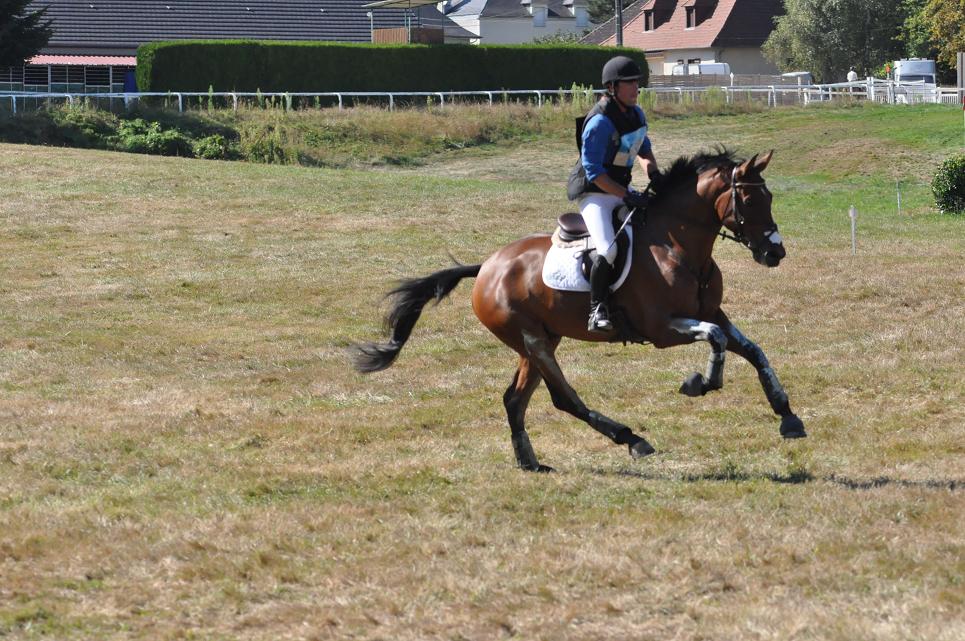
(648, 20)
(35, 75)
(582, 17)
(98, 77)
(691, 17)
(539, 16)
(11, 74)
(58, 74)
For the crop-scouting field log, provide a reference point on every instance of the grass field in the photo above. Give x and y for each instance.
(185, 452)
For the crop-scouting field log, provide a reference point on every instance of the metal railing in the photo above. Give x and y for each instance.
(882, 91)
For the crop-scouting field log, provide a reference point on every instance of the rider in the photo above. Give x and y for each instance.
(613, 134)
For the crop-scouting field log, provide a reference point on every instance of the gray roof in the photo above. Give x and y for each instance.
(502, 9)
(117, 27)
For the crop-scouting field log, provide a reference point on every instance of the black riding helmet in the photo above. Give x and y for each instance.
(621, 68)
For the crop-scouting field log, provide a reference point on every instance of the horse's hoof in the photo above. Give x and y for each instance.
(641, 448)
(693, 386)
(539, 469)
(792, 427)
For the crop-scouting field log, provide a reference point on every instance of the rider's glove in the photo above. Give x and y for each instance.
(656, 178)
(635, 199)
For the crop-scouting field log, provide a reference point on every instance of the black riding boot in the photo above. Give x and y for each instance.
(599, 293)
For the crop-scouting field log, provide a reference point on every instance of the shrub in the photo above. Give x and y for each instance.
(138, 136)
(949, 186)
(214, 147)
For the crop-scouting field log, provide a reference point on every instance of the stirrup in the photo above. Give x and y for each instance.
(599, 319)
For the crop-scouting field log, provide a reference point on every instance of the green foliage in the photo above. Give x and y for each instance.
(23, 32)
(227, 65)
(213, 147)
(602, 10)
(827, 37)
(949, 186)
(560, 37)
(945, 22)
(138, 136)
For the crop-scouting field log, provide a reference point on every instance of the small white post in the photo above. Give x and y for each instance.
(898, 190)
(853, 215)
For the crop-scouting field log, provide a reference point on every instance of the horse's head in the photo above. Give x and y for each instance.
(746, 211)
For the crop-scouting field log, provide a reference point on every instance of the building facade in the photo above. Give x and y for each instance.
(518, 21)
(683, 32)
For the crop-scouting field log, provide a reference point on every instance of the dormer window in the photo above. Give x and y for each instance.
(648, 24)
(539, 16)
(691, 17)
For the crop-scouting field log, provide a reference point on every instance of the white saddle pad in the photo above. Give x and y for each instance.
(561, 269)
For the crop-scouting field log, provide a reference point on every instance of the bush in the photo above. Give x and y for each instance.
(214, 147)
(949, 186)
(247, 65)
(138, 136)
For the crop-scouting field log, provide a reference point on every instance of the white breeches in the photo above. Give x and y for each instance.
(597, 211)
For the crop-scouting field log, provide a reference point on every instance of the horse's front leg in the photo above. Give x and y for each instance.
(694, 330)
(791, 425)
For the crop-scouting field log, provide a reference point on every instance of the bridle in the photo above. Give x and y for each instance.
(738, 216)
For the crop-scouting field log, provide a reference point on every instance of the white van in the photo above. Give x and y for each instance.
(701, 68)
(916, 81)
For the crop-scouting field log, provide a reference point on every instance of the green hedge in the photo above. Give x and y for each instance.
(245, 65)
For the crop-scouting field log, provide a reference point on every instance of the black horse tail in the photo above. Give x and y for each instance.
(408, 300)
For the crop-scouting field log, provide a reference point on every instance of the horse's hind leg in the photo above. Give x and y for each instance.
(791, 425)
(516, 399)
(540, 348)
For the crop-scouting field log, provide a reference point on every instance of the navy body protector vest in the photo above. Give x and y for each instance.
(625, 122)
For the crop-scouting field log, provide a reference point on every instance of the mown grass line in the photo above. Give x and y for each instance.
(185, 451)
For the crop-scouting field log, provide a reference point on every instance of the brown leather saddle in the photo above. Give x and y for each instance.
(572, 227)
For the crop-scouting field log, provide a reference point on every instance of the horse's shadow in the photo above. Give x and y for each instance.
(792, 478)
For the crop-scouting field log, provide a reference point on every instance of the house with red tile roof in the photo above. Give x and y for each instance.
(676, 32)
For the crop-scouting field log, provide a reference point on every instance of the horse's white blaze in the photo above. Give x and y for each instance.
(774, 237)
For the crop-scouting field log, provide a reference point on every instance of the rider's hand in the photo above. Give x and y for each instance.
(655, 179)
(635, 199)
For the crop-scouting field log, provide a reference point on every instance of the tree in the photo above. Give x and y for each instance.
(602, 10)
(22, 32)
(946, 23)
(827, 37)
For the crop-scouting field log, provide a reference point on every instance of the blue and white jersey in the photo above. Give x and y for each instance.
(603, 146)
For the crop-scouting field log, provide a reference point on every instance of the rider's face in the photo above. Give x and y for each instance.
(626, 91)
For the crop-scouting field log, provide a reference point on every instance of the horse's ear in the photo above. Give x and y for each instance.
(760, 164)
(746, 167)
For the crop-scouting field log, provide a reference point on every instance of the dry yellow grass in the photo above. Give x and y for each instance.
(184, 452)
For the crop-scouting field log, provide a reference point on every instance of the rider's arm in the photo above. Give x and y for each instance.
(596, 137)
(648, 161)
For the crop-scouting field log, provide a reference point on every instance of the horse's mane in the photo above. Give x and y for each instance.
(687, 168)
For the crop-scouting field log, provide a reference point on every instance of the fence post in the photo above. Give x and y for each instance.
(490, 94)
(773, 97)
(442, 99)
(180, 104)
(339, 96)
(234, 101)
(14, 99)
(391, 103)
(539, 99)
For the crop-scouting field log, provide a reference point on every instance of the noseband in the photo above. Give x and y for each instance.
(738, 216)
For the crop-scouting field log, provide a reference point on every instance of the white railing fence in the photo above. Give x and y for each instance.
(880, 91)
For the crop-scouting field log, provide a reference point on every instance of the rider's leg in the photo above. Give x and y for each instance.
(597, 211)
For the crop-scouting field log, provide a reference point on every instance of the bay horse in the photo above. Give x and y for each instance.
(671, 296)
